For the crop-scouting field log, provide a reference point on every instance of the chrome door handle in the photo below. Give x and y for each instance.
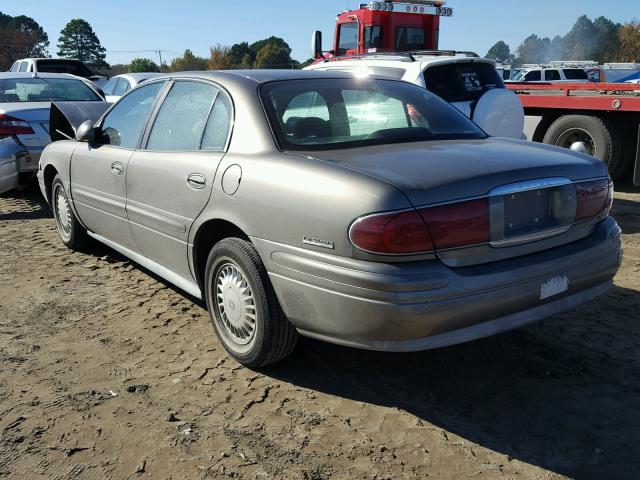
(117, 168)
(197, 181)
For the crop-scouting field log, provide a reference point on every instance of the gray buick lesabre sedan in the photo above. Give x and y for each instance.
(365, 212)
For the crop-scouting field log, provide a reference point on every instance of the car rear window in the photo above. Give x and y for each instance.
(462, 82)
(45, 90)
(64, 66)
(575, 74)
(347, 113)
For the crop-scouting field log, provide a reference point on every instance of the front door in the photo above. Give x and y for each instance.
(99, 170)
(169, 181)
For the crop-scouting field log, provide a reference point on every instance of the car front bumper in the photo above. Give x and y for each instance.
(423, 305)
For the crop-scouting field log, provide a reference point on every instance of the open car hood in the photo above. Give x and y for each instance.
(66, 117)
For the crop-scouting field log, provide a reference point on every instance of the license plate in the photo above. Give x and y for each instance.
(554, 286)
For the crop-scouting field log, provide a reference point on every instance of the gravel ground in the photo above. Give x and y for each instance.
(109, 372)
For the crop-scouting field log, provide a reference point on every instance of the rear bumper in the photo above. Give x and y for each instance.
(27, 158)
(418, 306)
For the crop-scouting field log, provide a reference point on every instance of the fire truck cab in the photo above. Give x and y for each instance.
(386, 26)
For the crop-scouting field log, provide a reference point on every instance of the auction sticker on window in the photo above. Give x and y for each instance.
(554, 286)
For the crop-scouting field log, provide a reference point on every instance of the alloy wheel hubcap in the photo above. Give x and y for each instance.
(63, 212)
(236, 304)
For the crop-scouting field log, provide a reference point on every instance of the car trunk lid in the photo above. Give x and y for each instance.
(36, 114)
(529, 189)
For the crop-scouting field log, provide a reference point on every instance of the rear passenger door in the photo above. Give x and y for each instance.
(169, 180)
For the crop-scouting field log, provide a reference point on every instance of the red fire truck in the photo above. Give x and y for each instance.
(599, 119)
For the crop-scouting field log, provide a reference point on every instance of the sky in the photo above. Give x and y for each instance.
(134, 28)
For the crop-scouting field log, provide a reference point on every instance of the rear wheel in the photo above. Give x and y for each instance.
(72, 234)
(590, 135)
(243, 307)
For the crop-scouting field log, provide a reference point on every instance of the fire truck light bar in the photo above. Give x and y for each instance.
(424, 7)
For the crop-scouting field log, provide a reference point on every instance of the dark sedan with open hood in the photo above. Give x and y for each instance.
(365, 212)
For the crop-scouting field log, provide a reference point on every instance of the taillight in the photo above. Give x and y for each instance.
(458, 224)
(10, 126)
(595, 198)
(398, 233)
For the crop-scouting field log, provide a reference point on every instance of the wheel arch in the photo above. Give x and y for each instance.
(208, 234)
(49, 174)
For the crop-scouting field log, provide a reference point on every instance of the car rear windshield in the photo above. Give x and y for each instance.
(345, 113)
(462, 82)
(45, 90)
(64, 66)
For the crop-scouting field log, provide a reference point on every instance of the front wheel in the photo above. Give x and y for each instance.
(72, 234)
(243, 307)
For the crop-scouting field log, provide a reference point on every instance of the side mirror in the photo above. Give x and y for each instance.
(316, 44)
(86, 132)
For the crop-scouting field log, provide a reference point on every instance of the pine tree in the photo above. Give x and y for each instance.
(79, 41)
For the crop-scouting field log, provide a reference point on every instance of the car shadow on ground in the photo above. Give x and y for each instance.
(627, 214)
(563, 395)
(30, 203)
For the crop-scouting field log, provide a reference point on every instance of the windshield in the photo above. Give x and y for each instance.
(343, 113)
(64, 66)
(17, 90)
(520, 75)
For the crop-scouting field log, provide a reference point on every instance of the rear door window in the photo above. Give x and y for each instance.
(181, 121)
(551, 75)
(23, 67)
(348, 37)
(575, 74)
(409, 38)
(122, 87)
(462, 82)
(110, 86)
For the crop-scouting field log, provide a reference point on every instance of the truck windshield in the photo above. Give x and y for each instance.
(346, 113)
(17, 90)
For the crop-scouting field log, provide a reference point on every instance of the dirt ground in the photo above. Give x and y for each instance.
(108, 372)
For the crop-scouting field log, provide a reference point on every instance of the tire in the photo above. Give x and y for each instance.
(604, 139)
(72, 234)
(238, 288)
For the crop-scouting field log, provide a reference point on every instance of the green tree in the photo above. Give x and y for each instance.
(20, 37)
(188, 62)
(78, 40)
(499, 52)
(534, 50)
(139, 65)
(273, 55)
(242, 56)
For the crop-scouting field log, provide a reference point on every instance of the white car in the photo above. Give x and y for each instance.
(552, 74)
(118, 85)
(469, 83)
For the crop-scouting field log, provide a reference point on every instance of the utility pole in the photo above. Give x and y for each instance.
(160, 55)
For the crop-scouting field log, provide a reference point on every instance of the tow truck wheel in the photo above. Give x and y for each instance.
(592, 136)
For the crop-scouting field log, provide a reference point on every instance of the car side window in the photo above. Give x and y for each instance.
(218, 126)
(122, 87)
(533, 76)
(110, 86)
(551, 75)
(181, 121)
(23, 67)
(14, 67)
(124, 123)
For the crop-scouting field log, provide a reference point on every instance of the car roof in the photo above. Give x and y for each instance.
(138, 76)
(16, 75)
(257, 76)
(45, 58)
(415, 61)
